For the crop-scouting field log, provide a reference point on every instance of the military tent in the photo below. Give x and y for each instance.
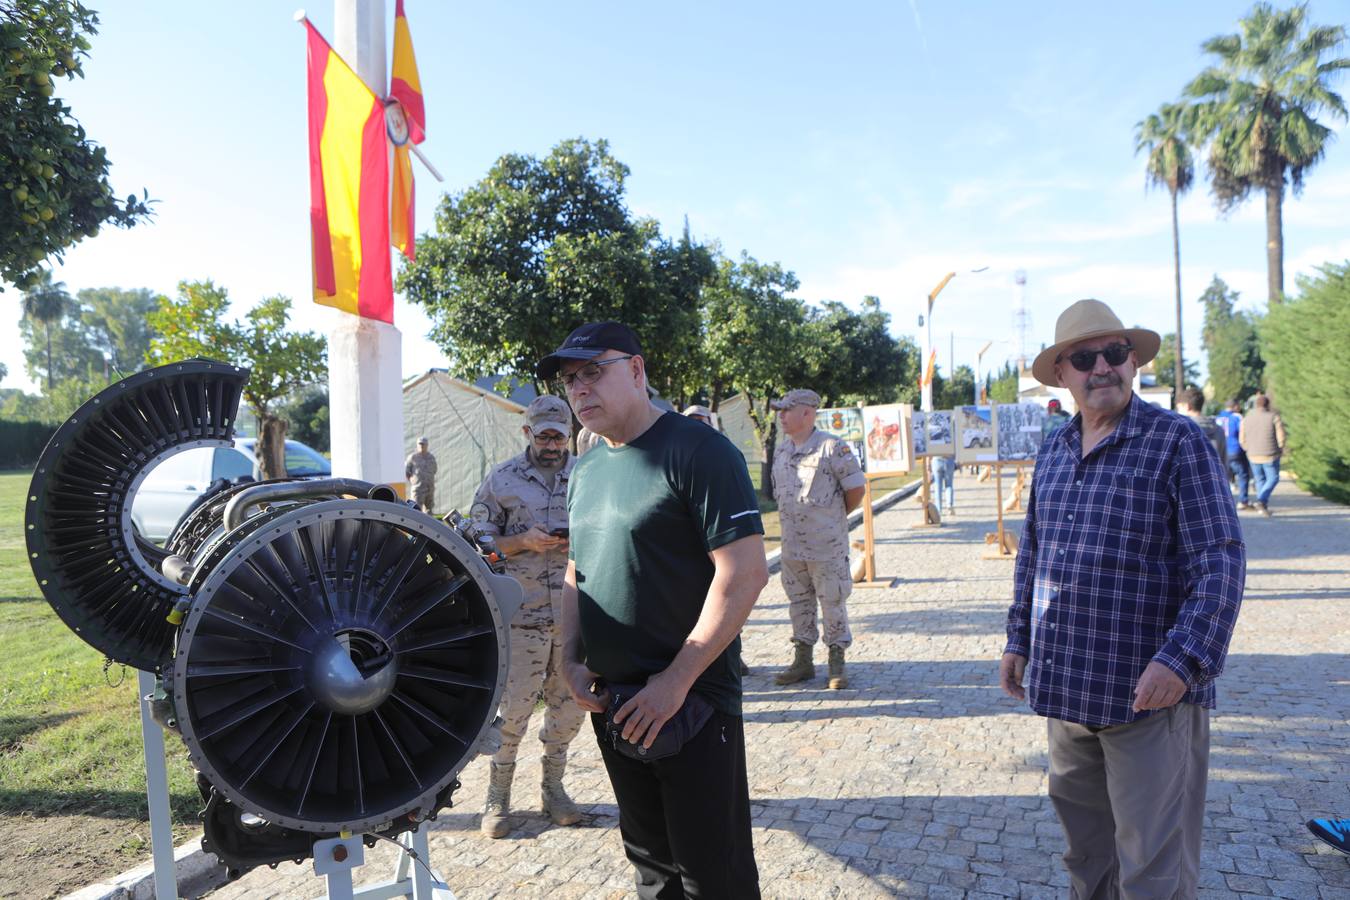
(470, 429)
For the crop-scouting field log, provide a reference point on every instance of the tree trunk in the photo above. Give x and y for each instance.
(47, 327)
(715, 400)
(1180, 374)
(1275, 240)
(767, 434)
(271, 447)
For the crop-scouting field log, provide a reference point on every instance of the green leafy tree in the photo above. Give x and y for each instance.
(1302, 342)
(117, 324)
(1257, 107)
(958, 390)
(539, 246)
(1232, 346)
(1003, 387)
(1164, 136)
(1165, 365)
(865, 363)
(281, 362)
(54, 179)
(757, 344)
(46, 302)
(307, 416)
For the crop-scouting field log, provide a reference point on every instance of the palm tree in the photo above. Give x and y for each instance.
(46, 302)
(1257, 108)
(1164, 137)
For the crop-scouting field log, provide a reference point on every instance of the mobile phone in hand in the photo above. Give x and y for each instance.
(560, 533)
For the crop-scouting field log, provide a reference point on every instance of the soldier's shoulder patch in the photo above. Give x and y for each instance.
(841, 448)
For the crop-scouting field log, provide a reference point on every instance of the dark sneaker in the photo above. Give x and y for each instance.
(1335, 832)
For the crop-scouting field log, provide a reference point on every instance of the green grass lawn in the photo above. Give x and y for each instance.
(70, 737)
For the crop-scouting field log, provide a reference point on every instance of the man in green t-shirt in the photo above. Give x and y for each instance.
(666, 562)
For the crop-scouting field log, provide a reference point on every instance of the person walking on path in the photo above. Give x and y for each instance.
(523, 502)
(1192, 406)
(1055, 417)
(817, 482)
(420, 470)
(1126, 590)
(944, 483)
(667, 560)
(1231, 421)
(1262, 437)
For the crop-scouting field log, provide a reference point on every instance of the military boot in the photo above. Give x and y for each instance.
(838, 680)
(498, 806)
(557, 805)
(802, 668)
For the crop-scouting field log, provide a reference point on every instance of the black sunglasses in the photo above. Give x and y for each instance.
(1086, 360)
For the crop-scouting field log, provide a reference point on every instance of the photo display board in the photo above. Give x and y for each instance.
(1021, 429)
(845, 423)
(976, 435)
(938, 433)
(889, 438)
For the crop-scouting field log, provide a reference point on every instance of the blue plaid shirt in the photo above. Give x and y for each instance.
(1130, 555)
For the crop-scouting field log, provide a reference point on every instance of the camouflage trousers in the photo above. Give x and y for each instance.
(425, 499)
(536, 672)
(827, 582)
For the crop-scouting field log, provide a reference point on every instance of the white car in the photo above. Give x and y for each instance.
(170, 487)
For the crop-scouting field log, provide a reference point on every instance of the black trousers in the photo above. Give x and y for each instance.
(685, 820)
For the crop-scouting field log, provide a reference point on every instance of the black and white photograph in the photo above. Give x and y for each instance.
(1020, 430)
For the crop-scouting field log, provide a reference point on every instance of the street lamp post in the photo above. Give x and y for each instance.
(926, 401)
(979, 366)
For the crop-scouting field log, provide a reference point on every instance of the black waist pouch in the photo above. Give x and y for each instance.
(678, 730)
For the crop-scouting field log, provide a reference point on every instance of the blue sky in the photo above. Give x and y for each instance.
(869, 147)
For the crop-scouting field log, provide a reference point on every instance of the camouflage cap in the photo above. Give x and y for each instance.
(549, 411)
(798, 397)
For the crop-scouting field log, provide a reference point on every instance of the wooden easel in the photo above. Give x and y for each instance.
(930, 519)
(869, 568)
(1014, 503)
(1002, 544)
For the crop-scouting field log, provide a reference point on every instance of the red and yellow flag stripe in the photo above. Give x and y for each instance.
(349, 188)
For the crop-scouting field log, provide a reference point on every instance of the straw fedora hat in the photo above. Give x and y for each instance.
(1090, 319)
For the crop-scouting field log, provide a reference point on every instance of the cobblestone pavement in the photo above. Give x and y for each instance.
(923, 779)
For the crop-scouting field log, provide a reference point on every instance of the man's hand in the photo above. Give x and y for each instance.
(643, 716)
(1158, 688)
(535, 540)
(579, 682)
(1010, 671)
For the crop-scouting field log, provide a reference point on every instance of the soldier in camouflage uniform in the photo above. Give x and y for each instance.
(420, 470)
(817, 482)
(524, 502)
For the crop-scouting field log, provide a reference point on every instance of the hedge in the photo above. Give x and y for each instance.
(21, 443)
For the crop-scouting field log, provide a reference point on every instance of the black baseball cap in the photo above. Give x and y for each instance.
(588, 342)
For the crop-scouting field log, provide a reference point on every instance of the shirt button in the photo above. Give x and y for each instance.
(1052, 626)
(1061, 553)
(1079, 481)
(1070, 517)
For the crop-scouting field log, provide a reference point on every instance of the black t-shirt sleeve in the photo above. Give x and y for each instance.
(720, 494)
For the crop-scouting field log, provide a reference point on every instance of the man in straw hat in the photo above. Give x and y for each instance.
(1126, 589)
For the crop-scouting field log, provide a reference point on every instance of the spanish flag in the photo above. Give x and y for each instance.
(405, 87)
(348, 188)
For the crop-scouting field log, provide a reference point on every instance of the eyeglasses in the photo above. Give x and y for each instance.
(544, 440)
(1086, 360)
(588, 374)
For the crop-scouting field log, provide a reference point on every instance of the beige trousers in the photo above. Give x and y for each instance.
(826, 582)
(536, 674)
(1131, 799)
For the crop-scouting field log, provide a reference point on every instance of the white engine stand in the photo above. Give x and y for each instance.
(335, 858)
